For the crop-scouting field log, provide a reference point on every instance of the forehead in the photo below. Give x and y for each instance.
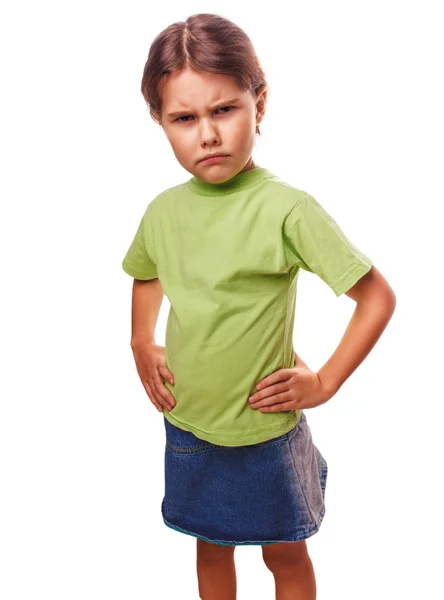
(187, 88)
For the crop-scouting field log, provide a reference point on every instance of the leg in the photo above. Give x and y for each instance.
(292, 570)
(216, 572)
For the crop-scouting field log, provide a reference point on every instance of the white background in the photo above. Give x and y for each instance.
(354, 118)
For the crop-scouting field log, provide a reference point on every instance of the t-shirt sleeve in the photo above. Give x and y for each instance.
(314, 241)
(140, 259)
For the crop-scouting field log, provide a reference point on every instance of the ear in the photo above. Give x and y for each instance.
(157, 117)
(261, 102)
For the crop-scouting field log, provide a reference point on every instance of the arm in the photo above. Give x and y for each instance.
(149, 357)
(146, 302)
(375, 304)
(298, 362)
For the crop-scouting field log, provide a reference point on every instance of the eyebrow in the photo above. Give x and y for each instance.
(217, 104)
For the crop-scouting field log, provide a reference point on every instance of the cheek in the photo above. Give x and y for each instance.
(243, 132)
(245, 123)
(180, 141)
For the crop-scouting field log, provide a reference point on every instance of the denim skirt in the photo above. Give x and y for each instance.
(259, 494)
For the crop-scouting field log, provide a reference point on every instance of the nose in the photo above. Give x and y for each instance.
(209, 134)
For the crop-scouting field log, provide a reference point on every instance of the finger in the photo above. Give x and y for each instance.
(163, 394)
(279, 407)
(280, 397)
(281, 375)
(151, 396)
(268, 391)
(166, 373)
(155, 385)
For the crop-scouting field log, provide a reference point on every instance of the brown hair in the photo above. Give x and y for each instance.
(205, 42)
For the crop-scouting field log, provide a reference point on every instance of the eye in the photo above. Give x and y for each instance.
(179, 119)
(222, 107)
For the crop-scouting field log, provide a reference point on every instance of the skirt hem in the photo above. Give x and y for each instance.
(294, 538)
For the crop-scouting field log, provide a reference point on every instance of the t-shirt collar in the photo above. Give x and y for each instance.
(240, 181)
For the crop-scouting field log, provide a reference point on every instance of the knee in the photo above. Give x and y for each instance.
(213, 552)
(285, 556)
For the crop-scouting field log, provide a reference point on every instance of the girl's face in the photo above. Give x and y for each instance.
(211, 115)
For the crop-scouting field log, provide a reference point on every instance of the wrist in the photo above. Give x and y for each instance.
(330, 385)
(142, 340)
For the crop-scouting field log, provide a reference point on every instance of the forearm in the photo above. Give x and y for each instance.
(363, 331)
(298, 362)
(146, 302)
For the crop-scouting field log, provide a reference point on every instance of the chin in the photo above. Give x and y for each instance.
(217, 173)
(215, 177)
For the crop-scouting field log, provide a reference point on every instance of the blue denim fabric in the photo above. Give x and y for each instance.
(259, 494)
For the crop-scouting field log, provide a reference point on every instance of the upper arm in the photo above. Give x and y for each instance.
(371, 285)
(140, 259)
(314, 241)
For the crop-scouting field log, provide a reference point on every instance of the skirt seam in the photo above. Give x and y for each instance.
(299, 481)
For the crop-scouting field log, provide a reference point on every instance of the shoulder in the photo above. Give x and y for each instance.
(287, 195)
(164, 199)
(298, 202)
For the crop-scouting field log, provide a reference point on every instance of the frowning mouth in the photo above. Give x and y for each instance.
(213, 158)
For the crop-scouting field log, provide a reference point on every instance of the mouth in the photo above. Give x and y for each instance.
(214, 158)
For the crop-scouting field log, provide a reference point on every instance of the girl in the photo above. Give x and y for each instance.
(226, 248)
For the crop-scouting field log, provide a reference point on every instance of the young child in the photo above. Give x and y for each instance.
(226, 247)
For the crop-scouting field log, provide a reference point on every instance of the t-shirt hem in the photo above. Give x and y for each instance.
(138, 274)
(349, 279)
(244, 438)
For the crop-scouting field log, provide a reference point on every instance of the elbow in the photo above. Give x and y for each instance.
(388, 298)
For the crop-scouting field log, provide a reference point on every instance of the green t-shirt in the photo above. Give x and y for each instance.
(228, 257)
